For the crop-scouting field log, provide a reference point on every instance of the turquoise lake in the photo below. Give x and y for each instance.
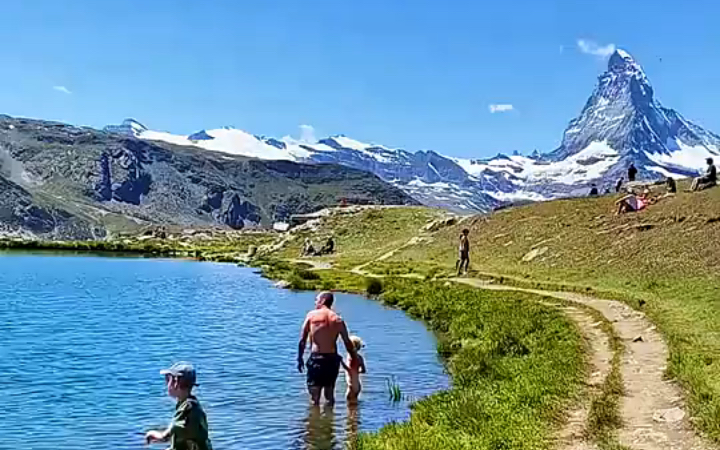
(82, 341)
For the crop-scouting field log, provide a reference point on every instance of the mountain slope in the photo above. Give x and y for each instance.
(112, 177)
(431, 178)
(621, 123)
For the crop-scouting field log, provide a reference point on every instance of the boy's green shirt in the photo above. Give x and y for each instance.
(189, 428)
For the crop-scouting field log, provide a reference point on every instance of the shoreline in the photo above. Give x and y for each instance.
(424, 300)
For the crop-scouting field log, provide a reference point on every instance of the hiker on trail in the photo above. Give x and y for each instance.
(633, 203)
(353, 368)
(709, 179)
(188, 429)
(323, 326)
(593, 191)
(632, 172)
(619, 184)
(464, 260)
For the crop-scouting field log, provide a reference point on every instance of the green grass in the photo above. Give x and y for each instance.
(666, 258)
(382, 230)
(515, 365)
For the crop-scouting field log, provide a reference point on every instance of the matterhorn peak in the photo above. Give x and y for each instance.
(620, 58)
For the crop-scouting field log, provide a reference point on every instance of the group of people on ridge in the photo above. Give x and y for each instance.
(636, 202)
(188, 429)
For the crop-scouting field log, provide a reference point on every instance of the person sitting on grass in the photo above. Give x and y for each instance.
(632, 202)
(308, 249)
(353, 368)
(188, 429)
(328, 248)
(671, 186)
(708, 180)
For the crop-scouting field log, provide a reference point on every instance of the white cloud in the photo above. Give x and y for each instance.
(593, 48)
(62, 89)
(502, 107)
(307, 134)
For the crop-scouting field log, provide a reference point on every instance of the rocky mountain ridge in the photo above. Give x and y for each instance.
(76, 182)
(621, 123)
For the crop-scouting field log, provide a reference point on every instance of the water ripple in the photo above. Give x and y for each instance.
(82, 341)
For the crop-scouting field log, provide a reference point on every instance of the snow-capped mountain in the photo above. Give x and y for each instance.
(621, 123)
(429, 177)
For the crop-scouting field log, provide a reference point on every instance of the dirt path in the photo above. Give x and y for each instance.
(652, 410)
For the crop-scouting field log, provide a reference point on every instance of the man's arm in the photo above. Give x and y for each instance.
(363, 369)
(304, 333)
(346, 339)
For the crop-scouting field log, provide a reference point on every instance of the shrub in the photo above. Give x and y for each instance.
(374, 286)
(305, 274)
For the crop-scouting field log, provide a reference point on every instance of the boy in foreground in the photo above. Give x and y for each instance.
(188, 429)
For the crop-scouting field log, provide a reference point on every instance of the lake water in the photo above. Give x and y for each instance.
(82, 340)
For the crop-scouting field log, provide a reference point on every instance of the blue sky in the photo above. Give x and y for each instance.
(412, 74)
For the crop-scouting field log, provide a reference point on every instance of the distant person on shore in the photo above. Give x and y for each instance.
(353, 368)
(323, 327)
(619, 184)
(188, 429)
(593, 191)
(632, 172)
(708, 180)
(464, 260)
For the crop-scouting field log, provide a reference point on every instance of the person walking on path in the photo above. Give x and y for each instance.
(323, 326)
(464, 260)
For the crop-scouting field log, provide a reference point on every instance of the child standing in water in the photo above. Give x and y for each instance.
(353, 368)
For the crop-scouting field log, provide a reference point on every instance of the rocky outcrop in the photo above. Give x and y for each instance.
(240, 213)
(21, 215)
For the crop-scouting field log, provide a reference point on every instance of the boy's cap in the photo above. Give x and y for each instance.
(182, 370)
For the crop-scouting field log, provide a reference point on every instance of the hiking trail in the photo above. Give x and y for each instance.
(652, 408)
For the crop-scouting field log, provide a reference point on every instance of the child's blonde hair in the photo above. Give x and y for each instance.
(357, 342)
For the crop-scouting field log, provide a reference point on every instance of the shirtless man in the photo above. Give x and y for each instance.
(323, 326)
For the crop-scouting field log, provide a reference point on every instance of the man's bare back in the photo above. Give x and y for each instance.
(325, 327)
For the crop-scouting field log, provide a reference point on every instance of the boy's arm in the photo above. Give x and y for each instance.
(304, 332)
(158, 436)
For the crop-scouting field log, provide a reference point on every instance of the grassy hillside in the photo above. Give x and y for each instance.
(666, 259)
